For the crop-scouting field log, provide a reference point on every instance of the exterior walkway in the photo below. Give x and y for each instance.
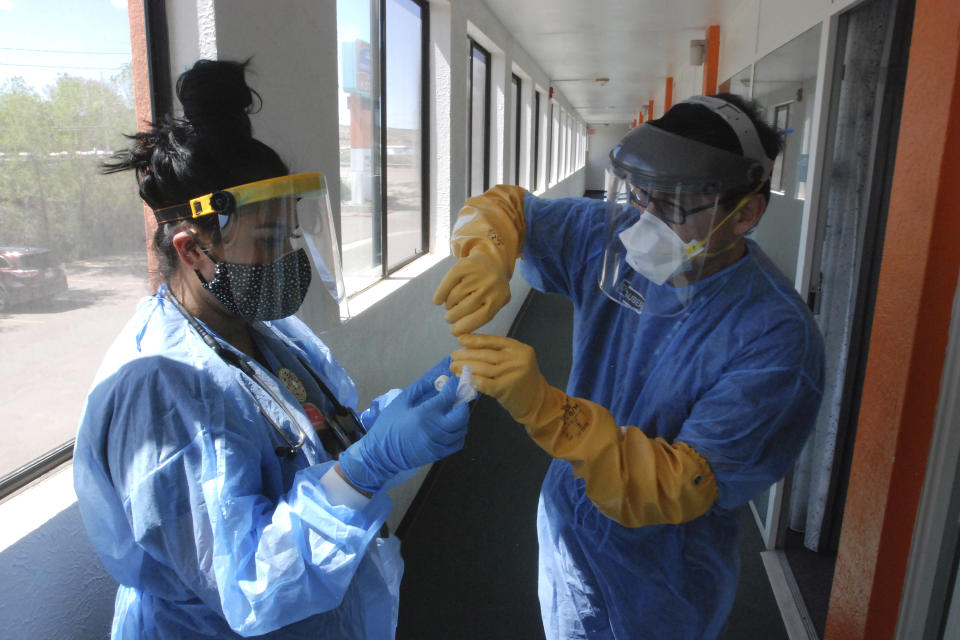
(470, 540)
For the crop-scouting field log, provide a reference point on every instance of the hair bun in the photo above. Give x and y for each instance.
(215, 97)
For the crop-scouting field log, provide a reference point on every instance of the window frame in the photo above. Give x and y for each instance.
(383, 184)
(776, 174)
(473, 45)
(151, 57)
(534, 181)
(518, 83)
(551, 144)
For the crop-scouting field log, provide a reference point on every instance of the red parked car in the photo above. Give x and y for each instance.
(29, 273)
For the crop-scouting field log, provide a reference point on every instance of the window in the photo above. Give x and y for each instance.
(551, 146)
(558, 172)
(516, 127)
(554, 143)
(404, 103)
(535, 147)
(478, 139)
(384, 211)
(781, 114)
(74, 263)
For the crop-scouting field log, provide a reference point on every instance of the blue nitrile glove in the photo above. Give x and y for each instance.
(420, 426)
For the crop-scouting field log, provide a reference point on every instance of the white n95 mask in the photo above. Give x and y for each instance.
(655, 251)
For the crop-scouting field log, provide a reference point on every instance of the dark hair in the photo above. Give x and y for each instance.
(698, 123)
(209, 149)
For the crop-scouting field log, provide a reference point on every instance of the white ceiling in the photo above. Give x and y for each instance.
(635, 43)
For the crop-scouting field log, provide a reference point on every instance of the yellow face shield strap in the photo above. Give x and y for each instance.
(228, 200)
(693, 249)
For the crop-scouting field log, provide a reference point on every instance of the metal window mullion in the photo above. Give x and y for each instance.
(486, 119)
(35, 469)
(470, 126)
(382, 100)
(536, 138)
(516, 129)
(158, 59)
(424, 126)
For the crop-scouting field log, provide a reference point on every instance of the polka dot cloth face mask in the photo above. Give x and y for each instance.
(262, 291)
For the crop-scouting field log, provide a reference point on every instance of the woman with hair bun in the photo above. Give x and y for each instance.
(222, 474)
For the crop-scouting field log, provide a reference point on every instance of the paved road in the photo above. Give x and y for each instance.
(51, 351)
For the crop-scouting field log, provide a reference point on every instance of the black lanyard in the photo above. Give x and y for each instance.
(344, 423)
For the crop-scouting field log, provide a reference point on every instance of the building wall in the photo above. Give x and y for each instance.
(599, 145)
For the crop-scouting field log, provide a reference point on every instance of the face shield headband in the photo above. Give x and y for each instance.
(663, 160)
(273, 237)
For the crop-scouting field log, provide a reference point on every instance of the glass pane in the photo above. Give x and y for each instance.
(551, 146)
(784, 85)
(71, 240)
(515, 96)
(560, 141)
(359, 137)
(535, 143)
(762, 501)
(478, 119)
(404, 39)
(555, 145)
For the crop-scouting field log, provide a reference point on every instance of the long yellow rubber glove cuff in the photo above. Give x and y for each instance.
(631, 478)
(487, 240)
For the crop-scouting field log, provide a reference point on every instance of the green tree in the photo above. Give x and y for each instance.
(51, 193)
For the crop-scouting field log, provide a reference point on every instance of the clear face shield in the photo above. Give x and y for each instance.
(276, 237)
(668, 213)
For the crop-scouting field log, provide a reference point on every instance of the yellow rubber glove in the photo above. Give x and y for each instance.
(635, 480)
(487, 239)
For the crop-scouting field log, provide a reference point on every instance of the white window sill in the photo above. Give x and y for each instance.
(36, 504)
(360, 302)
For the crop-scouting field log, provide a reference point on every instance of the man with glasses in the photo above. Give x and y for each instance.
(696, 377)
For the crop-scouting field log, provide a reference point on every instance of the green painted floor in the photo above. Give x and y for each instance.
(469, 539)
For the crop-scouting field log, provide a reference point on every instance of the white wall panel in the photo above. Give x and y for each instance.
(781, 21)
(599, 144)
(738, 38)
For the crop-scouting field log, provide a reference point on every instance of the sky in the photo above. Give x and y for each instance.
(40, 39)
(353, 23)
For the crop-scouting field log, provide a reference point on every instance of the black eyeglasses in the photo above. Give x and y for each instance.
(666, 210)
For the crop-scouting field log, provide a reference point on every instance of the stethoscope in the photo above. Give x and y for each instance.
(344, 423)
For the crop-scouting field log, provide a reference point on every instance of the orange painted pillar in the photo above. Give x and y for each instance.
(650, 111)
(712, 63)
(668, 90)
(918, 278)
(142, 101)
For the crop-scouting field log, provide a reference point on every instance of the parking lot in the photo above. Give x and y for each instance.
(51, 350)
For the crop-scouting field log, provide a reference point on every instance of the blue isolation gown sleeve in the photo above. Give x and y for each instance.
(197, 506)
(564, 242)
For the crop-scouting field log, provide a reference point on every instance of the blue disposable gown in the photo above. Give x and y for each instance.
(207, 530)
(737, 375)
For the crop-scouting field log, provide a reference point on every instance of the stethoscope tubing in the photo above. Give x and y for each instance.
(291, 447)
